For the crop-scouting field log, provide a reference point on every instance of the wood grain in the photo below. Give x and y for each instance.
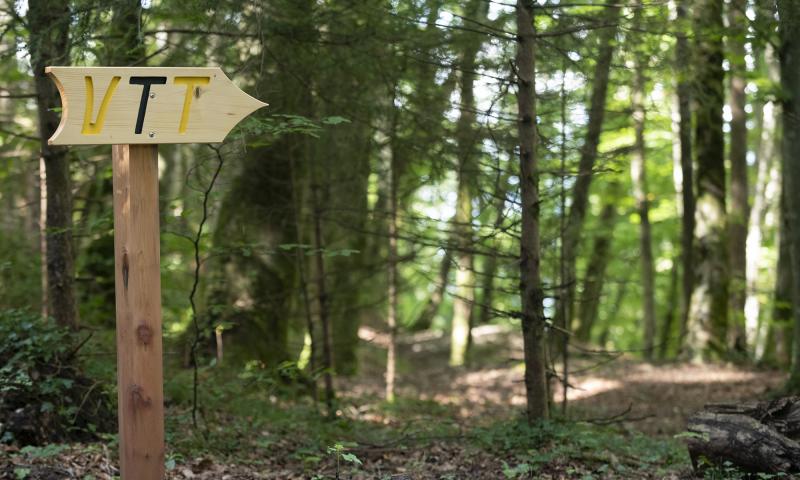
(138, 298)
(101, 105)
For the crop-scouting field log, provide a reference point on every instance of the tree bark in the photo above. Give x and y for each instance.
(533, 321)
(754, 437)
(708, 316)
(48, 22)
(738, 214)
(639, 182)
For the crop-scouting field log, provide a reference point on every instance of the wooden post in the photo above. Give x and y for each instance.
(138, 292)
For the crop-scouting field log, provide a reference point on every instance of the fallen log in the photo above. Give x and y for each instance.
(756, 437)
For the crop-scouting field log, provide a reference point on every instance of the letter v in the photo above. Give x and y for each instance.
(94, 128)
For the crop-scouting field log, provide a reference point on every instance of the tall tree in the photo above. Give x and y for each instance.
(467, 139)
(580, 191)
(738, 214)
(533, 321)
(708, 316)
(392, 273)
(767, 168)
(683, 127)
(789, 53)
(48, 24)
(594, 278)
(639, 181)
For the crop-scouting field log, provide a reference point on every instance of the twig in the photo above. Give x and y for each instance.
(619, 417)
(195, 284)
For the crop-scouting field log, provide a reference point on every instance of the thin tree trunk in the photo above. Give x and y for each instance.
(789, 31)
(533, 321)
(43, 237)
(684, 130)
(669, 316)
(467, 139)
(738, 215)
(778, 343)
(48, 22)
(322, 300)
(766, 164)
(425, 319)
(490, 262)
(708, 319)
(392, 280)
(300, 254)
(613, 315)
(594, 279)
(639, 182)
(580, 192)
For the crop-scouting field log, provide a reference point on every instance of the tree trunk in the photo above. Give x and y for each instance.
(764, 195)
(669, 316)
(684, 131)
(490, 261)
(778, 343)
(322, 301)
(755, 234)
(639, 182)
(789, 31)
(594, 278)
(467, 138)
(48, 22)
(613, 315)
(753, 437)
(392, 278)
(425, 319)
(708, 316)
(533, 321)
(580, 192)
(738, 215)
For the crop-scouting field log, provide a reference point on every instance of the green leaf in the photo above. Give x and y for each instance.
(349, 457)
(21, 473)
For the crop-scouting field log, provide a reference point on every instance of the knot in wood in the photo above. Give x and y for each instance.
(139, 397)
(125, 269)
(144, 334)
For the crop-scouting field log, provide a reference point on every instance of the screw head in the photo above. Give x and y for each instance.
(152, 95)
(151, 134)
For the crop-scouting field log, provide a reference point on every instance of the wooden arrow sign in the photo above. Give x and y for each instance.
(141, 105)
(135, 109)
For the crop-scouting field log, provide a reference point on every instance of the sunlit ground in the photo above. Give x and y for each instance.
(657, 398)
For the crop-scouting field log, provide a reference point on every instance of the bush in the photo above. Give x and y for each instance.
(44, 396)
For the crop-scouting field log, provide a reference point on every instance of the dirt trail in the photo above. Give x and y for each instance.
(657, 399)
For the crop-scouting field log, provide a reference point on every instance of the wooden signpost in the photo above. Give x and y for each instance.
(135, 109)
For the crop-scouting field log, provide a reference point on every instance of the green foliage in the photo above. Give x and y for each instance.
(340, 453)
(43, 394)
(601, 451)
(728, 471)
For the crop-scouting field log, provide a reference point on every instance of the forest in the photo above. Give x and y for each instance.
(466, 239)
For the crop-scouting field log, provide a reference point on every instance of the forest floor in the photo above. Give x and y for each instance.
(623, 415)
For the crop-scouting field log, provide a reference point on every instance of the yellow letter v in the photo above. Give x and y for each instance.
(89, 127)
